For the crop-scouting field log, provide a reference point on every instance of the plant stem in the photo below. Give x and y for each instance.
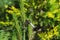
(18, 27)
(22, 16)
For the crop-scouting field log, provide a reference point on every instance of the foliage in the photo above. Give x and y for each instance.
(44, 14)
(4, 35)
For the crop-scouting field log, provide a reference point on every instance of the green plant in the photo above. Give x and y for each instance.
(43, 14)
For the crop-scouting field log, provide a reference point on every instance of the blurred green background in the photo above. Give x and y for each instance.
(43, 14)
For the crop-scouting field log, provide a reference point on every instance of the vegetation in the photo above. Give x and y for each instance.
(29, 19)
